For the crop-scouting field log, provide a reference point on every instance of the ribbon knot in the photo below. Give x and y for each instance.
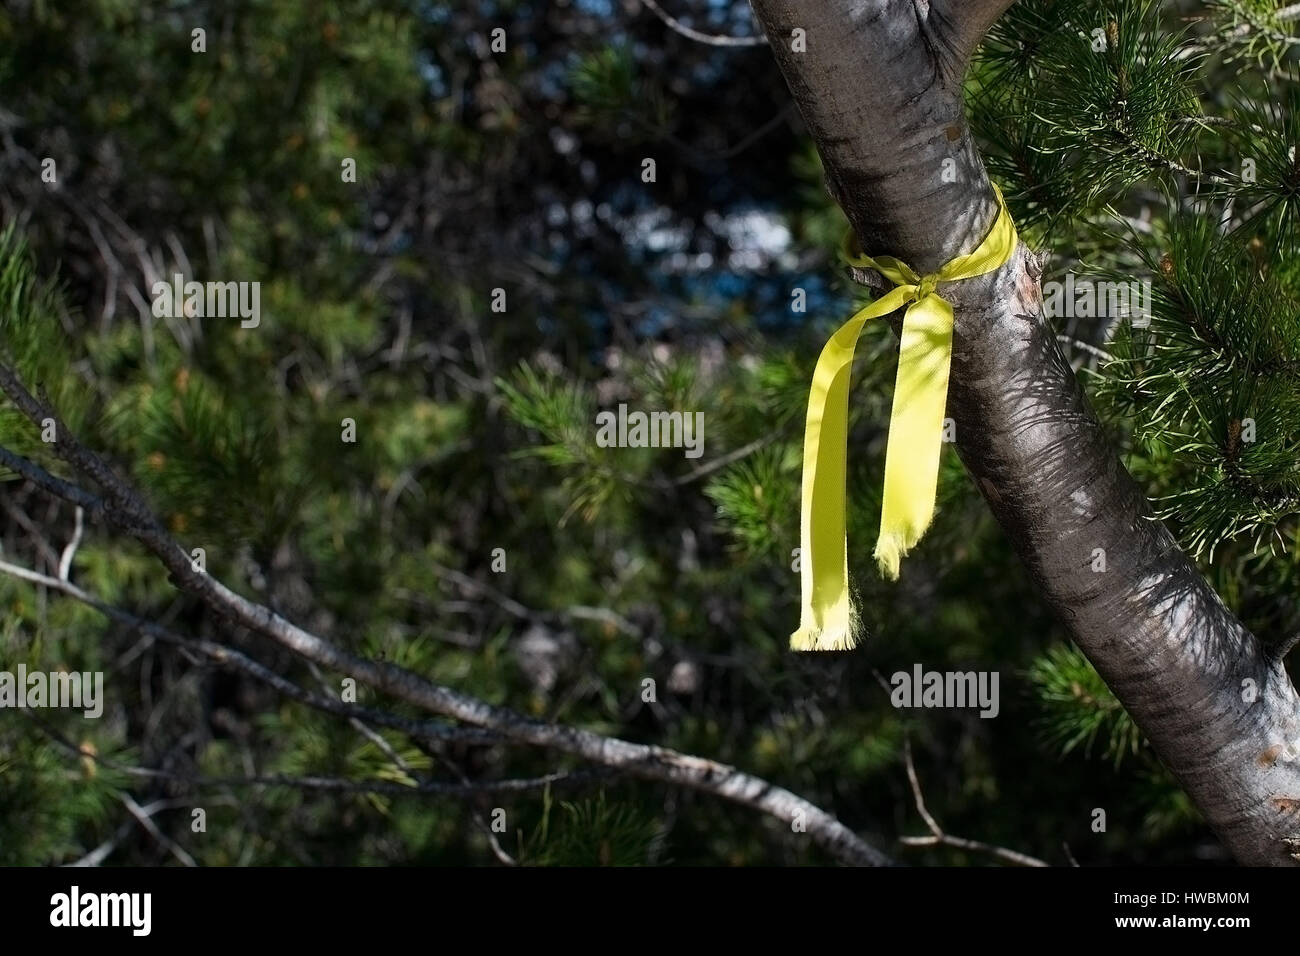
(828, 619)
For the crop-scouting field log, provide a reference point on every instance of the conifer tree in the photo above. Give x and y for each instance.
(307, 554)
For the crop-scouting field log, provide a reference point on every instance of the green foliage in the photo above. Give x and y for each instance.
(759, 500)
(1264, 131)
(32, 340)
(1211, 387)
(47, 801)
(611, 97)
(561, 411)
(1079, 102)
(476, 429)
(591, 832)
(604, 82)
(1078, 707)
(1253, 33)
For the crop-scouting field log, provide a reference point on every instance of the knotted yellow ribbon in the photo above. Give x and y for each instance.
(828, 620)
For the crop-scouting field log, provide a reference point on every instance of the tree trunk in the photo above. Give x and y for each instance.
(879, 87)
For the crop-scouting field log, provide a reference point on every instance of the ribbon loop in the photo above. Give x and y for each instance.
(828, 619)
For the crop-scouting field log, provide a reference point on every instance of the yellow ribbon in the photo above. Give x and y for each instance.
(828, 620)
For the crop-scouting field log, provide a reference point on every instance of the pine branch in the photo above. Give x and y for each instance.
(708, 38)
(937, 835)
(1162, 639)
(126, 510)
(232, 659)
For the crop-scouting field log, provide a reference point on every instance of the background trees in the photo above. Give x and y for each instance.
(521, 170)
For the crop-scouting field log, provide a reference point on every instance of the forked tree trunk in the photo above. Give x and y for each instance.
(879, 86)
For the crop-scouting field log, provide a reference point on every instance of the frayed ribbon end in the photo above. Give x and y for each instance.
(890, 549)
(844, 635)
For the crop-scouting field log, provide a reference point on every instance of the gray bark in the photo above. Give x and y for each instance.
(879, 88)
(122, 507)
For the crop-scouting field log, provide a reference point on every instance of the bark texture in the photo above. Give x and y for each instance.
(879, 87)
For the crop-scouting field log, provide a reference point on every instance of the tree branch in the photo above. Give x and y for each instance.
(880, 91)
(966, 22)
(709, 38)
(437, 788)
(232, 659)
(145, 820)
(123, 507)
(938, 837)
(1285, 647)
